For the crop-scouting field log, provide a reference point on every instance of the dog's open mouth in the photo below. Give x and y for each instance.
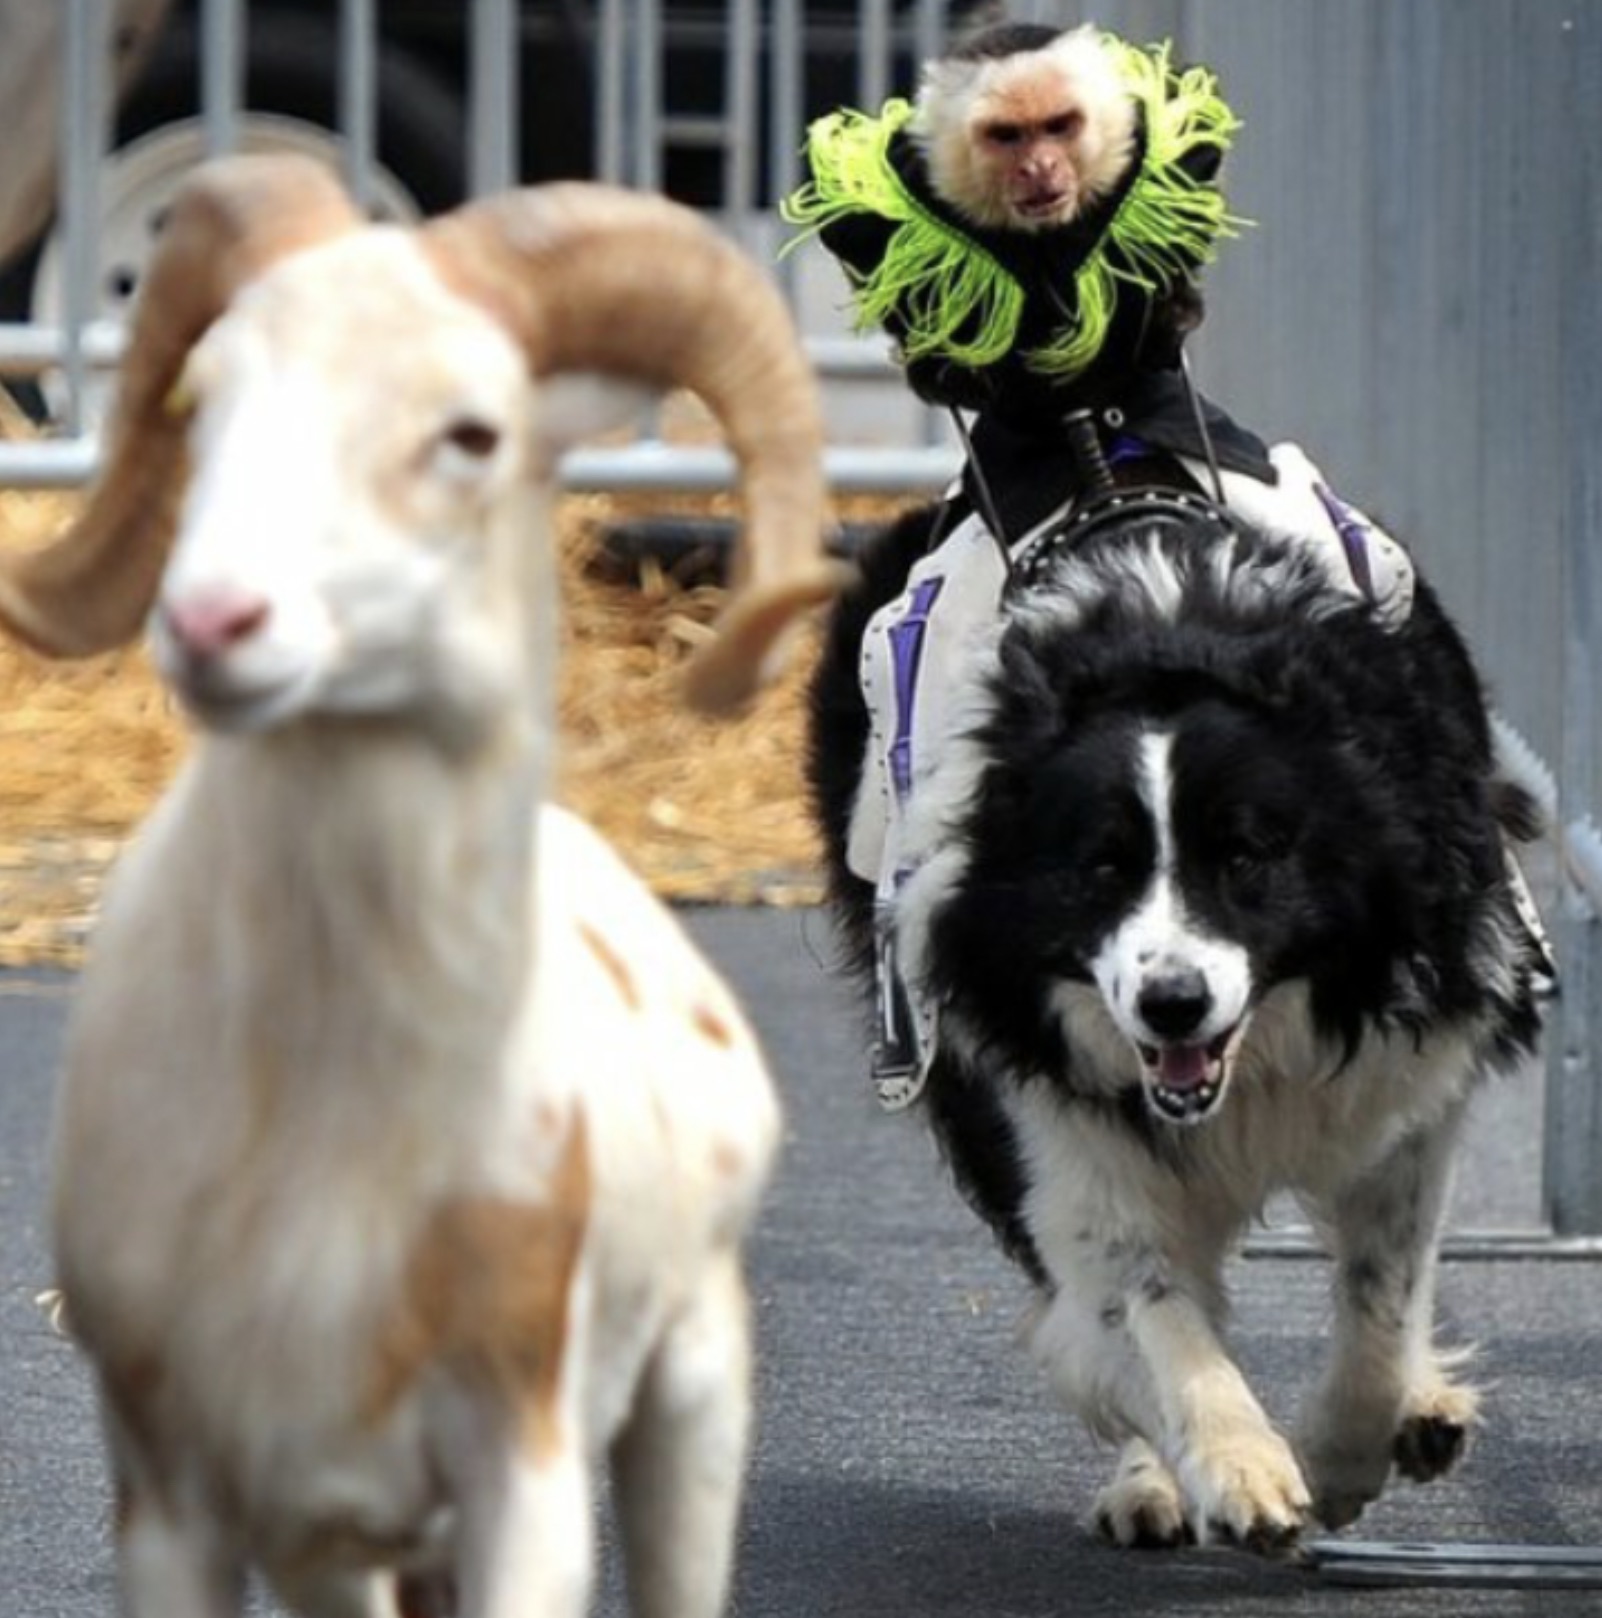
(1184, 1082)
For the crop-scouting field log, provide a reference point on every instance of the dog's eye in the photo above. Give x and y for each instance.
(1253, 847)
(1108, 874)
(1248, 868)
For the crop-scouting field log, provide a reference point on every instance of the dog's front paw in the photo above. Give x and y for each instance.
(1434, 1432)
(1249, 1490)
(1142, 1506)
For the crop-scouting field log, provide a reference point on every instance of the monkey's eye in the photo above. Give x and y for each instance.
(1003, 134)
(1065, 125)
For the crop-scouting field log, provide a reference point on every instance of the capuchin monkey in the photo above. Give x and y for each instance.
(1021, 136)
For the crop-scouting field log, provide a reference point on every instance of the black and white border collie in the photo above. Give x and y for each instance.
(1209, 899)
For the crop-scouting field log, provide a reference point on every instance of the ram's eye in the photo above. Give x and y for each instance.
(476, 440)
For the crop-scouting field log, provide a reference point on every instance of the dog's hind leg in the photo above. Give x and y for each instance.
(1387, 1396)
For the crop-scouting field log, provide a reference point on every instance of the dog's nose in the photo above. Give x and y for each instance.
(1174, 1004)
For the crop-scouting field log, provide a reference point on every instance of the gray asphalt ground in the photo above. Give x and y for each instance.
(909, 1463)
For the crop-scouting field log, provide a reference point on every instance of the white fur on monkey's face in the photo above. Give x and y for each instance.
(1027, 141)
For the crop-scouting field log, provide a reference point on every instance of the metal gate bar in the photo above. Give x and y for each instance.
(85, 135)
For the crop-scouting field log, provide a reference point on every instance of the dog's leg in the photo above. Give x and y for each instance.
(1136, 1353)
(1386, 1396)
(1142, 1505)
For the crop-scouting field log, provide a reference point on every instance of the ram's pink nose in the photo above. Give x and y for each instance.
(206, 623)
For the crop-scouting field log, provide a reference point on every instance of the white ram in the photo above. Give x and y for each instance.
(404, 1157)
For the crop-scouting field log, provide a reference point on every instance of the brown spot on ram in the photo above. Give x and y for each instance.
(711, 1026)
(487, 1297)
(614, 965)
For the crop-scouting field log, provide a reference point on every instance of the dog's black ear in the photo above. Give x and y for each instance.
(1027, 703)
(1517, 812)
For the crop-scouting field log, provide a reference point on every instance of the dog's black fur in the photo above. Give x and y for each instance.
(1341, 824)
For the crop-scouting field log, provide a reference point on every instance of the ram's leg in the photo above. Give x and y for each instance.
(680, 1462)
(1386, 1396)
(174, 1558)
(172, 1563)
(514, 1443)
(527, 1542)
(339, 1595)
(1133, 1349)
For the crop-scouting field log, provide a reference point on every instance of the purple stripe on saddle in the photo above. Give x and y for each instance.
(1354, 530)
(906, 653)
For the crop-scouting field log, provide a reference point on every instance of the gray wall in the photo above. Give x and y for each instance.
(1413, 302)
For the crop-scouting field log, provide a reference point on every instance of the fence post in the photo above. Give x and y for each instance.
(85, 134)
(1573, 1189)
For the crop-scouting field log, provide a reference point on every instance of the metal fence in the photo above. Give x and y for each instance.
(1416, 303)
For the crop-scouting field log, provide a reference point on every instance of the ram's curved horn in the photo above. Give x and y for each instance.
(89, 589)
(594, 278)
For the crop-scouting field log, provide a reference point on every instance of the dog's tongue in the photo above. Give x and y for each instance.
(1182, 1067)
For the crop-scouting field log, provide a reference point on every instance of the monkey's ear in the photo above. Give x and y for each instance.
(1185, 308)
(1173, 318)
(942, 85)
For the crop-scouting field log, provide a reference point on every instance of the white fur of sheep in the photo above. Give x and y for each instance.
(407, 1147)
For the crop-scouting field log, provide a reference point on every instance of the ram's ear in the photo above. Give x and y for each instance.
(90, 589)
(578, 406)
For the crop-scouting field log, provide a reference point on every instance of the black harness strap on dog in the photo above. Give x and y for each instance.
(1203, 431)
(983, 499)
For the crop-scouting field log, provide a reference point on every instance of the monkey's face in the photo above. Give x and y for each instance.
(1029, 141)
(1028, 152)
